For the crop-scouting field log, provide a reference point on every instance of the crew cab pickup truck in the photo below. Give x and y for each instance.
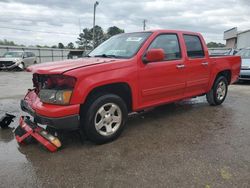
(127, 73)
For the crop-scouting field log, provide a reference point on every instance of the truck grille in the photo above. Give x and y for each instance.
(6, 63)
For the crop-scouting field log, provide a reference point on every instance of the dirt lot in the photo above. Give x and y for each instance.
(185, 144)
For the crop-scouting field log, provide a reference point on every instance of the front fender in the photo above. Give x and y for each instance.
(86, 84)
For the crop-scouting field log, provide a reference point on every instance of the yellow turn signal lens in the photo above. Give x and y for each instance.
(66, 96)
(56, 142)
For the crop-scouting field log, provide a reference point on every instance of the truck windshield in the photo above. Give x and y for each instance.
(121, 46)
(244, 53)
(13, 54)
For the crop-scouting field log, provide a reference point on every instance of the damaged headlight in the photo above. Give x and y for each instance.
(55, 96)
(18, 61)
(56, 89)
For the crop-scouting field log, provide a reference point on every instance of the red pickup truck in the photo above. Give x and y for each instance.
(127, 73)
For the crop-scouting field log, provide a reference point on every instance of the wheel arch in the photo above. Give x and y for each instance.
(122, 89)
(227, 73)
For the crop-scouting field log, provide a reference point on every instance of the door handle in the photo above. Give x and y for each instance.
(180, 66)
(204, 63)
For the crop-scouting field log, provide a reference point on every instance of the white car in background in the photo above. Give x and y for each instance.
(245, 64)
(222, 51)
(12, 60)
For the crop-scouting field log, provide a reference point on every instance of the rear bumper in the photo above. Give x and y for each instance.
(244, 75)
(58, 117)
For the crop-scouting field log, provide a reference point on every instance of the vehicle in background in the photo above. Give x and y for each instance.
(17, 60)
(127, 73)
(245, 64)
(222, 51)
(75, 54)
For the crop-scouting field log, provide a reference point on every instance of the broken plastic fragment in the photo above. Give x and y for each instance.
(6, 120)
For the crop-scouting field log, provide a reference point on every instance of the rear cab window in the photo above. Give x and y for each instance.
(194, 46)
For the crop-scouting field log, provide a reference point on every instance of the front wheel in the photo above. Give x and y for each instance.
(218, 93)
(104, 119)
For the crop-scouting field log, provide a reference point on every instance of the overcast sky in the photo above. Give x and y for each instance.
(38, 19)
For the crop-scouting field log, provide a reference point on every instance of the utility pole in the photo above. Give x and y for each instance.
(144, 24)
(95, 5)
(80, 25)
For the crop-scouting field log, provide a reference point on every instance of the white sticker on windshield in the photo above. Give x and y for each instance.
(133, 39)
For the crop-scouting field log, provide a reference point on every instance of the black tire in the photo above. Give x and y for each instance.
(212, 95)
(35, 62)
(91, 112)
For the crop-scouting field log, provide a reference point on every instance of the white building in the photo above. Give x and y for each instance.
(236, 39)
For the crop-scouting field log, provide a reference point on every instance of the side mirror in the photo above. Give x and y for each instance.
(153, 55)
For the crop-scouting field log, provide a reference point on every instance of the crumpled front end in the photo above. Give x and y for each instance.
(7, 65)
(52, 115)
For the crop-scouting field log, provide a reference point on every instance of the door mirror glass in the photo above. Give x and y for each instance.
(154, 55)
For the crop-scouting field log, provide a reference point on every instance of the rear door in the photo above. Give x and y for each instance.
(26, 59)
(163, 81)
(30, 59)
(197, 66)
(33, 58)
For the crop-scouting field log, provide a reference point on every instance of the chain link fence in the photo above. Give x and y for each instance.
(43, 54)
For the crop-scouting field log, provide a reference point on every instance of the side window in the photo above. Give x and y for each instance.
(170, 44)
(194, 46)
(25, 55)
(29, 54)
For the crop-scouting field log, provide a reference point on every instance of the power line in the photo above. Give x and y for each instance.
(28, 30)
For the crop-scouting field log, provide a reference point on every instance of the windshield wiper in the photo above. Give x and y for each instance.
(107, 56)
(86, 56)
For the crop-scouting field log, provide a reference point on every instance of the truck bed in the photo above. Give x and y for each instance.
(228, 62)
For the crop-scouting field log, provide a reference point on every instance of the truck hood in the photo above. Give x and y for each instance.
(60, 67)
(10, 59)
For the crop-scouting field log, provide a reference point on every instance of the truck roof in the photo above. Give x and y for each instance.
(172, 31)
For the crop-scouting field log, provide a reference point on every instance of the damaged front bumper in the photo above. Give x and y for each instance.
(56, 116)
(9, 67)
(28, 129)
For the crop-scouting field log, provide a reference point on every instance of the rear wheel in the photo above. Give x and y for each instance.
(218, 93)
(104, 118)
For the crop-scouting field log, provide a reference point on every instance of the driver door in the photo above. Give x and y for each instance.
(163, 81)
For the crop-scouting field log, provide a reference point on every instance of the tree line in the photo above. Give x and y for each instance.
(85, 39)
